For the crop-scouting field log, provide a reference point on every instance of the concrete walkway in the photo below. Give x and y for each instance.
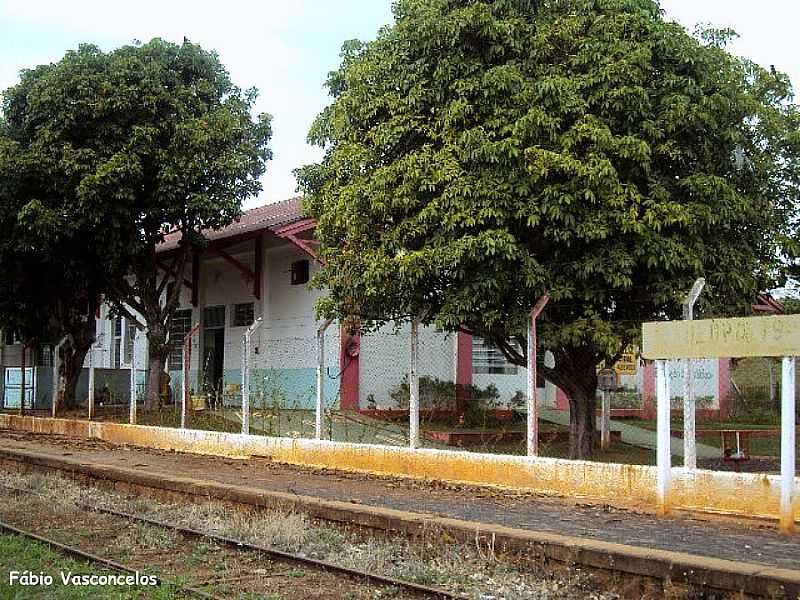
(635, 436)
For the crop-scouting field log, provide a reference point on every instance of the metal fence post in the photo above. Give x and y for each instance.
(413, 387)
(663, 451)
(788, 440)
(246, 375)
(533, 401)
(689, 434)
(91, 380)
(186, 360)
(132, 418)
(413, 382)
(320, 377)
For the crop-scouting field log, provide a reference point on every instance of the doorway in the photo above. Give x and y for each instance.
(213, 353)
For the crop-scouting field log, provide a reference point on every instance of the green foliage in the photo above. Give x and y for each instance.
(114, 150)
(479, 153)
(438, 394)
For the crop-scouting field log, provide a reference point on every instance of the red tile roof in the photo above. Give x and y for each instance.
(270, 216)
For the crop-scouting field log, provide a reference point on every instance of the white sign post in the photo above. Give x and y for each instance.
(663, 450)
(788, 441)
(775, 336)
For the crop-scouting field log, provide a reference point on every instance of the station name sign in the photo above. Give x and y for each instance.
(722, 338)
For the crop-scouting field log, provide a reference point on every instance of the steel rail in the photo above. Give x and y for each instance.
(93, 558)
(354, 574)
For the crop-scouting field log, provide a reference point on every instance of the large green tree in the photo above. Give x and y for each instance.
(481, 152)
(139, 142)
(49, 289)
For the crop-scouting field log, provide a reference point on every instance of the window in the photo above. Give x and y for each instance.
(486, 359)
(300, 272)
(214, 317)
(179, 327)
(243, 315)
(46, 356)
(116, 357)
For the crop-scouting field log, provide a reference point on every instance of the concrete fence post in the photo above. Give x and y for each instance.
(533, 401)
(689, 433)
(320, 406)
(663, 451)
(788, 441)
(246, 375)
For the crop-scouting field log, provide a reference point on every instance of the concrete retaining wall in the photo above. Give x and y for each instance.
(743, 494)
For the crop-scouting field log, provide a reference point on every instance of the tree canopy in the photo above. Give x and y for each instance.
(130, 145)
(481, 152)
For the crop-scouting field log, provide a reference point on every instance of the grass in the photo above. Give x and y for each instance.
(432, 558)
(20, 554)
(760, 446)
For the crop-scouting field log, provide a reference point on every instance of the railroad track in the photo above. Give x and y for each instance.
(233, 566)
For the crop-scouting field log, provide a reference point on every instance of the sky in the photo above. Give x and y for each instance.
(286, 48)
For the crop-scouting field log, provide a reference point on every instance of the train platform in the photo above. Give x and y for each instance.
(725, 553)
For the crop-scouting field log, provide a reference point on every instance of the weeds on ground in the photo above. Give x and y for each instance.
(474, 569)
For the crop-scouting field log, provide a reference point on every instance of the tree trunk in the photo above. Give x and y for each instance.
(157, 352)
(72, 366)
(582, 424)
(72, 356)
(575, 372)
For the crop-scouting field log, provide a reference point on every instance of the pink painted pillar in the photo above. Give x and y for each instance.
(463, 370)
(724, 387)
(649, 390)
(562, 401)
(349, 366)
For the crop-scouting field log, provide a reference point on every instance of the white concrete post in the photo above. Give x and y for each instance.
(133, 379)
(413, 386)
(320, 377)
(788, 441)
(663, 453)
(689, 434)
(533, 401)
(605, 421)
(246, 375)
(91, 381)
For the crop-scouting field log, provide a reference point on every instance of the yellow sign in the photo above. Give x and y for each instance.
(722, 338)
(626, 365)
